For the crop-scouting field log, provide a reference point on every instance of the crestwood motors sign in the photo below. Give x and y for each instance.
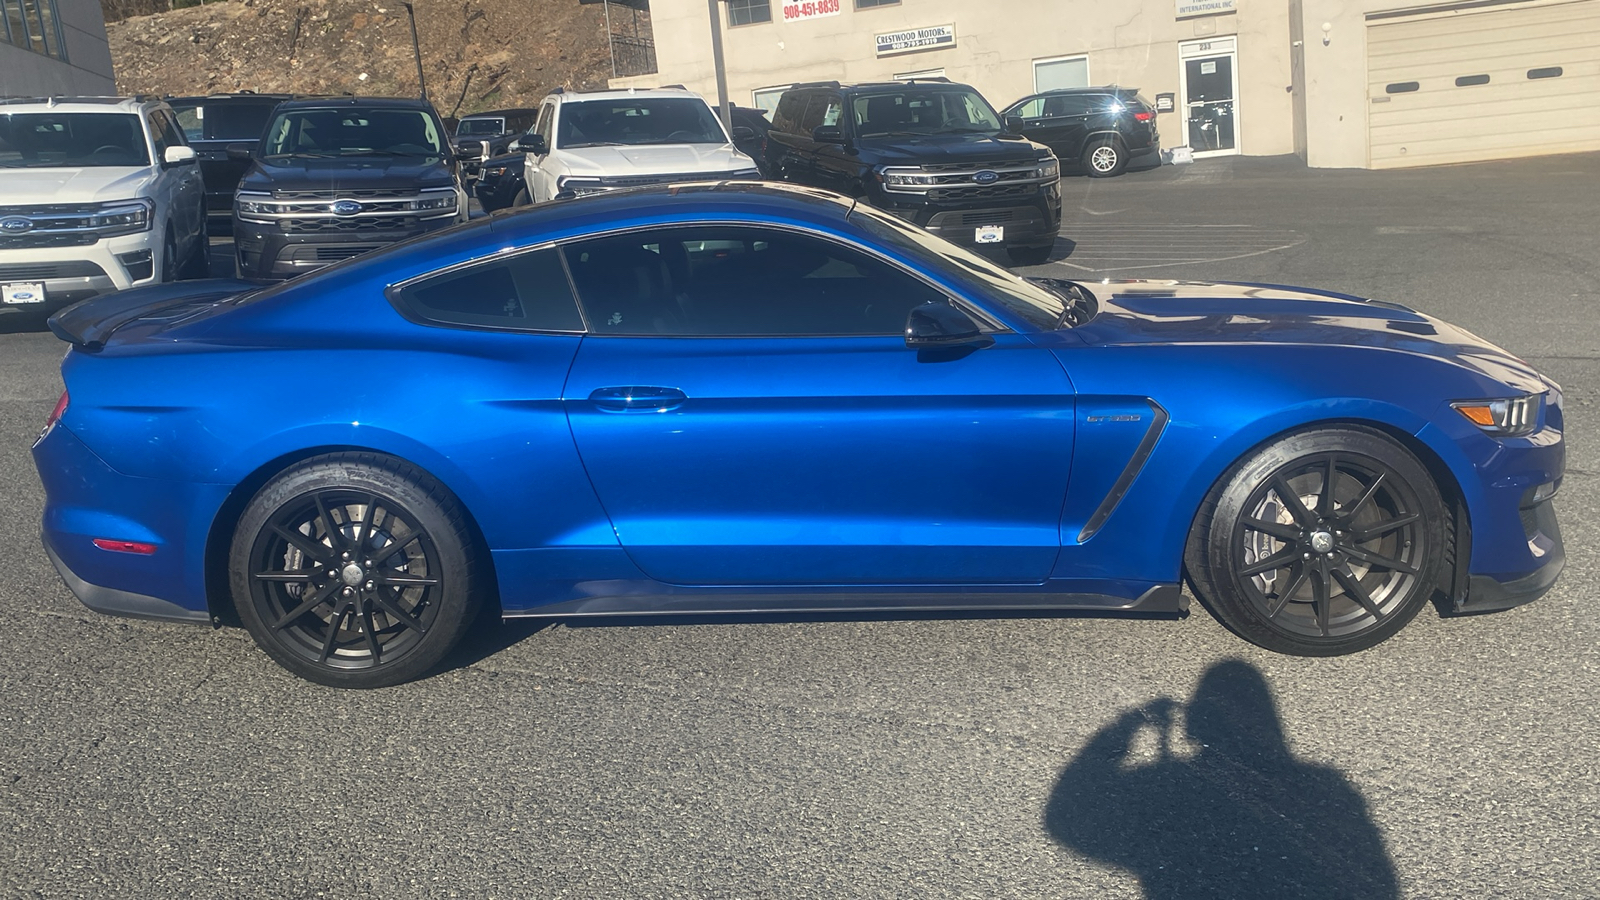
(916, 39)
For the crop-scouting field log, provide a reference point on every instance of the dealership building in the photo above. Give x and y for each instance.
(1342, 83)
(54, 47)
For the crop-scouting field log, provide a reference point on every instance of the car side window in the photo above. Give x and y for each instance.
(1065, 106)
(722, 281)
(1032, 109)
(546, 117)
(158, 134)
(170, 132)
(525, 292)
(791, 107)
(823, 110)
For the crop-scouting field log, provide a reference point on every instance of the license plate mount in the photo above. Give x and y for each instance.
(989, 234)
(19, 293)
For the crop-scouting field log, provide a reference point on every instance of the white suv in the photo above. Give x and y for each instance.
(583, 143)
(96, 194)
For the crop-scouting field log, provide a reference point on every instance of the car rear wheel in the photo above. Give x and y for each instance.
(354, 570)
(1104, 157)
(1324, 543)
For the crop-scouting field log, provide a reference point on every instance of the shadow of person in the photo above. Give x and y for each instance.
(1238, 817)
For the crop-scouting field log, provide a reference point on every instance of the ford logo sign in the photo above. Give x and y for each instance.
(22, 296)
(986, 177)
(346, 207)
(16, 225)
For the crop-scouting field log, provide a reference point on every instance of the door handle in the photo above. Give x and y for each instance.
(637, 398)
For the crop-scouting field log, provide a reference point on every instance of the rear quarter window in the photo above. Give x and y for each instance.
(525, 292)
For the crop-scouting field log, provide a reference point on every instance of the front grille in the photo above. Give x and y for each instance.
(43, 271)
(984, 192)
(35, 241)
(333, 225)
(330, 196)
(988, 217)
(311, 253)
(1530, 520)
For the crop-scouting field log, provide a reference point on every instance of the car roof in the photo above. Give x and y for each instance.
(241, 95)
(695, 200)
(132, 104)
(501, 113)
(349, 100)
(579, 96)
(1107, 89)
(934, 83)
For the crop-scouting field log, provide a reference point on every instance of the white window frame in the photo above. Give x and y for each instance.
(776, 90)
(1225, 45)
(1088, 74)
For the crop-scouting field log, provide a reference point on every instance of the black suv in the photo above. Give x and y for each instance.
(335, 177)
(211, 124)
(931, 152)
(1101, 129)
(487, 134)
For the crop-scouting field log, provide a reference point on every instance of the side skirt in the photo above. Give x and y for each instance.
(1161, 598)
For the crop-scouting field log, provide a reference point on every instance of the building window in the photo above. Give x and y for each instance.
(923, 73)
(868, 4)
(767, 98)
(1061, 72)
(748, 12)
(32, 25)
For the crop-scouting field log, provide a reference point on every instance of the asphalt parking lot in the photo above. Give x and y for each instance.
(946, 756)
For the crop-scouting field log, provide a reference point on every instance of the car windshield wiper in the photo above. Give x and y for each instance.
(301, 155)
(594, 144)
(895, 134)
(379, 152)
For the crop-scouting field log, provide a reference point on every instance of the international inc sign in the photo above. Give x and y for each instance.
(1190, 8)
(907, 41)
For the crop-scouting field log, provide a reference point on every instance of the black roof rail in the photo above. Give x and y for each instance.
(806, 84)
(939, 78)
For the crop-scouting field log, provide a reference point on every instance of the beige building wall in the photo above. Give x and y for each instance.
(997, 42)
(87, 69)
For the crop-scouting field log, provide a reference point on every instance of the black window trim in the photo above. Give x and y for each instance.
(394, 292)
(984, 317)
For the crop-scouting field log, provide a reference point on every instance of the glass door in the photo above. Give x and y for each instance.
(1210, 92)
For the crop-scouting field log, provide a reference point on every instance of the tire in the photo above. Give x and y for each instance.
(1030, 256)
(1104, 157)
(522, 199)
(169, 258)
(393, 605)
(1287, 569)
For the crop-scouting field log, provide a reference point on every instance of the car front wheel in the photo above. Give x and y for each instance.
(354, 570)
(1323, 543)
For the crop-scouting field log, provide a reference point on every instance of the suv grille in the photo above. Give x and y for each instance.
(42, 271)
(982, 192)
(314, 212)
(959, 181)
(68, 224)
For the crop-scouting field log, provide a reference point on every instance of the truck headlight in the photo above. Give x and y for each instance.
(249, 208)
(122, 217)
(1515, 417)
(904, 178)
(1047, 169)
(579, 185)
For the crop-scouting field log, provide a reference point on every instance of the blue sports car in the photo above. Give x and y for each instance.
(745, 397)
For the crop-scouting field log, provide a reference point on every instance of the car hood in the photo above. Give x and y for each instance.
(658, 159)
(355, 173)
(946, 149)
(90, 184)
(1186, 312)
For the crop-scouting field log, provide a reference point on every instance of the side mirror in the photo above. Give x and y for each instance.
(828, 134)
(743, 133)
(241, 151)
(177, 156)
(1013, 124)
(941, 325)
(530, 143)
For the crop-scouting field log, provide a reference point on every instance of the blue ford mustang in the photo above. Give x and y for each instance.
(744, 397)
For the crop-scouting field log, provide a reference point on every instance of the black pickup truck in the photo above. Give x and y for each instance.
(332, 178)
(931, 152)
(484, 135)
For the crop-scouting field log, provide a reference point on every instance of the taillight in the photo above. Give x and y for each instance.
(55, 416)
(1144, 116)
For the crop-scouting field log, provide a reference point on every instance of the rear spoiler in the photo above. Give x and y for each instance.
(89, 323)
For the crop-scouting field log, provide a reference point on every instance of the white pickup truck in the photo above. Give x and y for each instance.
(584, 143)
(96, 194)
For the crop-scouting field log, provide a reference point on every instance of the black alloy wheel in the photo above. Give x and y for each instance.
(1104, 157)
(354, 570)
(1324, 543)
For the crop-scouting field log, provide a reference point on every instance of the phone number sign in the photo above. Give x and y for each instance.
(916, 39)
(795, 10)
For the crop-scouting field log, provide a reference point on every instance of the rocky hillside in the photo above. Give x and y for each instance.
(480, 54)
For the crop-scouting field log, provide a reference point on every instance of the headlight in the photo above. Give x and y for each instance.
(253, 210)
(122, 217)
(1516, 417)
(578, 185)
(1048, 169)
(906, 178)
(443, 201)
(494, 171)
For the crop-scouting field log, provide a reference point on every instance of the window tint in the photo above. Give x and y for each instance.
(824, 109)
(1070, 105)
(731, 280)
(159, 134)
(527, 292)
(791, 107)
(1032, 109)
(170, 134)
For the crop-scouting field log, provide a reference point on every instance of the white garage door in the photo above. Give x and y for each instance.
(1484, 84)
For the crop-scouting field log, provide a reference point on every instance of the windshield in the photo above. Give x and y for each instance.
(223, 121)
(75, 140)
(353, 132)
(1040, 307)
(469, 127)
(624, 121)
(915, 111)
